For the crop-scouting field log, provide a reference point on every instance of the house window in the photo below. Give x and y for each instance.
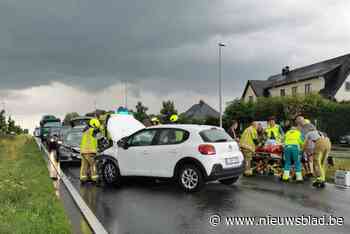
(308, 88)
(251, 98)
(283, 92)
(294, 90)
(347, 86)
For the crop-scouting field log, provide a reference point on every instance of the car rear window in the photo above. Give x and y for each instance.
(215, 135)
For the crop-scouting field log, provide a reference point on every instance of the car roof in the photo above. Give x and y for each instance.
(81, 118)
(193, 127)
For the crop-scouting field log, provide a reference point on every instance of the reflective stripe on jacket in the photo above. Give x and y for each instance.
(274, 132)
(294, 137)
(247, 139)
(88, 142)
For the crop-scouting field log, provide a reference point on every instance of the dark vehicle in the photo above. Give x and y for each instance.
(46, 118)
(46, 126)
(54, 135)
(80, 121)
(345, 140)
(69, 146)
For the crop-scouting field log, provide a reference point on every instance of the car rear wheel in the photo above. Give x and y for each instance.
(229, 181)
(190, 178)
(110, 173)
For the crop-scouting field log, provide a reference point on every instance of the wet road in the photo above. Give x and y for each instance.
(149, 207)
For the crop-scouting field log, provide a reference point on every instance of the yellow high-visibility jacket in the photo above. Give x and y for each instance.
(294, 137)
(275, 131)
(247, 139)
(88, 143)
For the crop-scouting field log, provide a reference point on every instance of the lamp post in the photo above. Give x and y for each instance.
(220, 82)
(126, 94)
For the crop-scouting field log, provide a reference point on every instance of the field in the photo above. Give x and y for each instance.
(28, 203)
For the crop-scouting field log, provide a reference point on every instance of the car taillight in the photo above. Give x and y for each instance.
(207, 149)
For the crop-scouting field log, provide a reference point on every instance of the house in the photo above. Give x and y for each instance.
(330, 78)
(201, 111)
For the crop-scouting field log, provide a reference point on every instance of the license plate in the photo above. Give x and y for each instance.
(230, 161)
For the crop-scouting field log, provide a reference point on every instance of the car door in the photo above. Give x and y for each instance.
(136, 159)
(168, 149)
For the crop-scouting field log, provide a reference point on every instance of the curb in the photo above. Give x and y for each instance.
(92, 220)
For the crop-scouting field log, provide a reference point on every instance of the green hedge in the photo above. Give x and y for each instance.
(329, 116)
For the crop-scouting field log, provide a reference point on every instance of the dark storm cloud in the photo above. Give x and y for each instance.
(164, 45)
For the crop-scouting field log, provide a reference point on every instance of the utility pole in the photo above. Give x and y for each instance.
(220, 82)
(95, 107)
(3, 105)
(126, 94)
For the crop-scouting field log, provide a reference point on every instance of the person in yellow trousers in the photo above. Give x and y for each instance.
(88, 151)
(248, 141)
(273, 130)
(322, 147)
(321, 152)
(293, 144)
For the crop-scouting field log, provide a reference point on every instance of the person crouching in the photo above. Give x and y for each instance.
(293, 143)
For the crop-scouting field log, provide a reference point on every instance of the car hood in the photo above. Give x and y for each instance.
(123, 125)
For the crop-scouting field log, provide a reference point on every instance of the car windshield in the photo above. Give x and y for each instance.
(215, 135)
(55, 131)
(52, 124)
(73, 138)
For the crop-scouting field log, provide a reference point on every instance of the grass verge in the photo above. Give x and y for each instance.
(28, 203)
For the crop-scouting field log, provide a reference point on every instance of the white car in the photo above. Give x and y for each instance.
(189, 154)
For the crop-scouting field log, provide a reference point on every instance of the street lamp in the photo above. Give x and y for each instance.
(220, 82)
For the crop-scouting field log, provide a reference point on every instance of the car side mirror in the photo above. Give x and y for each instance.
(123, 143)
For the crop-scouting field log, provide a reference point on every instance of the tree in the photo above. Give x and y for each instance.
(3, 124)
(11, 126)
(167, 110)
(69, 117)
(141, 112)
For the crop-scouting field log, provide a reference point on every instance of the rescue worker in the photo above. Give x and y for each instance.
(103, 118)
(273, 130)
(293, 144)
(321, 150)
(155, 121)
(107, 139)
(88, 151)
(248, 141)
(174, 118)
(320, 157)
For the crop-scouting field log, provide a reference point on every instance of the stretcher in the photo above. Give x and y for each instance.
(268, 159)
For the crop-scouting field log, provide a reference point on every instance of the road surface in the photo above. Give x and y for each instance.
(156, 207)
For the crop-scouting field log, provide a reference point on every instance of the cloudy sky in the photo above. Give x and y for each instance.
(62, 56)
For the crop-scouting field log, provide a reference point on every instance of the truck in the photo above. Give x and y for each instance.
(46, 123)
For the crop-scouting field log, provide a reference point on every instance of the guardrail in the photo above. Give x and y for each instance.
(90, 217)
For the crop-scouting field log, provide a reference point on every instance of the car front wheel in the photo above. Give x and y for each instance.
(229, 181)
(110, 173)
(190, 178)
